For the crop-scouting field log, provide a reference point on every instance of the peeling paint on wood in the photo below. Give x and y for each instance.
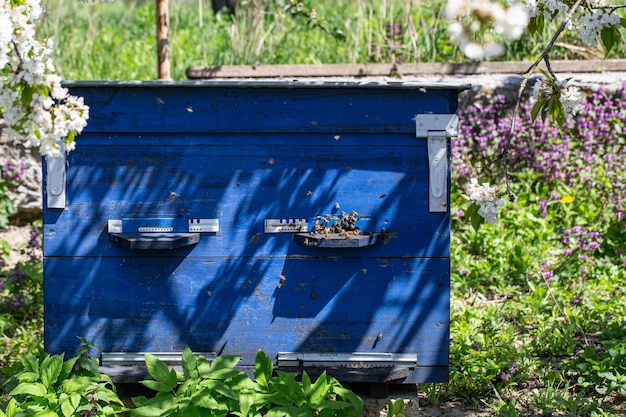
(247, 153)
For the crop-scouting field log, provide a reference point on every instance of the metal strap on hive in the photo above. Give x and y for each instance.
(355, 359)
(437, 128)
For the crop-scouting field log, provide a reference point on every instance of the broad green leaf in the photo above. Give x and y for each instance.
(27, 376)
(277, 412)
(537, 108)
(31, 363)
(608, 375)
(263, 368)
(190, 369)
(109, 395)
(204, 399)
(319, 390)
(306, 384)
(203, 366)
(156, 385)
(536, 24)
(219, 387)
(164, 401)
(36, 389)
(192, 411)
(224, 374)
(159, 371)
(350, 396)
(397, 407)
(90, 364)
(11, 408)
(67, 368)
(246, 400)
(188, 387)
(68, 406)
(77, 383)
(471, 215)
(300, 411)
(332, 405)
(147, 411)
(50, 370)
(608, 36)
(224, 362)
(46, 413)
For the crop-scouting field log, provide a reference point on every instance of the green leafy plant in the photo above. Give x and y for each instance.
(395, 408)
(48, 386)
(10, 180)
(215, 388)
(602, 369)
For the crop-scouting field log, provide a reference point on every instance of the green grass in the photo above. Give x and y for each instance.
(117, 40)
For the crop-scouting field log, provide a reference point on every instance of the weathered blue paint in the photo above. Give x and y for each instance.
(243, 153)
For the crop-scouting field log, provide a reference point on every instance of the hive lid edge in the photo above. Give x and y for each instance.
(392, 84)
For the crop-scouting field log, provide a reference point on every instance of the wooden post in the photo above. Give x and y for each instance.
(163, 47)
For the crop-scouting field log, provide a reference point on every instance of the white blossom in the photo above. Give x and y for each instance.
(469, 17)
(486, 197)
(569, 95)
(48, 115)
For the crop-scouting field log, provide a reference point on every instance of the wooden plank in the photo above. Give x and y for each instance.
(396, 70)
(239, 305)
(243, 180)
(255, 108)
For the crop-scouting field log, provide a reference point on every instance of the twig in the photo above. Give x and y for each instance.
(504, 156)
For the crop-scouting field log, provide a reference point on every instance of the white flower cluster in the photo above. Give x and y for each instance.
(486, 197)
(468, 17)
(588, 20)
(37, 109)
(569, 96)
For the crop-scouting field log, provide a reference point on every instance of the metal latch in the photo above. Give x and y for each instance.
(286, 225)
(55, 179)
(354, 359)
(437, 129)
(159, 232)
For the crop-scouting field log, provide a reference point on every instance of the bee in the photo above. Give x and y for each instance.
(209, 293)
(383, 195)
(364, 271)
(159, 101)
(189, 110)
(282, 277)
(337, 137)
(308, 193)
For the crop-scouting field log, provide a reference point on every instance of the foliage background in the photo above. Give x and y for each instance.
(117, 40)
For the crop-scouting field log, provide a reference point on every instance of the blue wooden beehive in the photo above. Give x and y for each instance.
(308, 220)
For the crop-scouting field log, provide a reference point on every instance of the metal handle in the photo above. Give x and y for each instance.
(154, 241)
(338, 240)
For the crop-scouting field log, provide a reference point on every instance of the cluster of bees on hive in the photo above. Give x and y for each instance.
(344, 226)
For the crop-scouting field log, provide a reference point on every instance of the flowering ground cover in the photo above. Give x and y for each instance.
(538, 318)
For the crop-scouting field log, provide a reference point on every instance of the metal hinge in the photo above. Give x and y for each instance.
(437, 129)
